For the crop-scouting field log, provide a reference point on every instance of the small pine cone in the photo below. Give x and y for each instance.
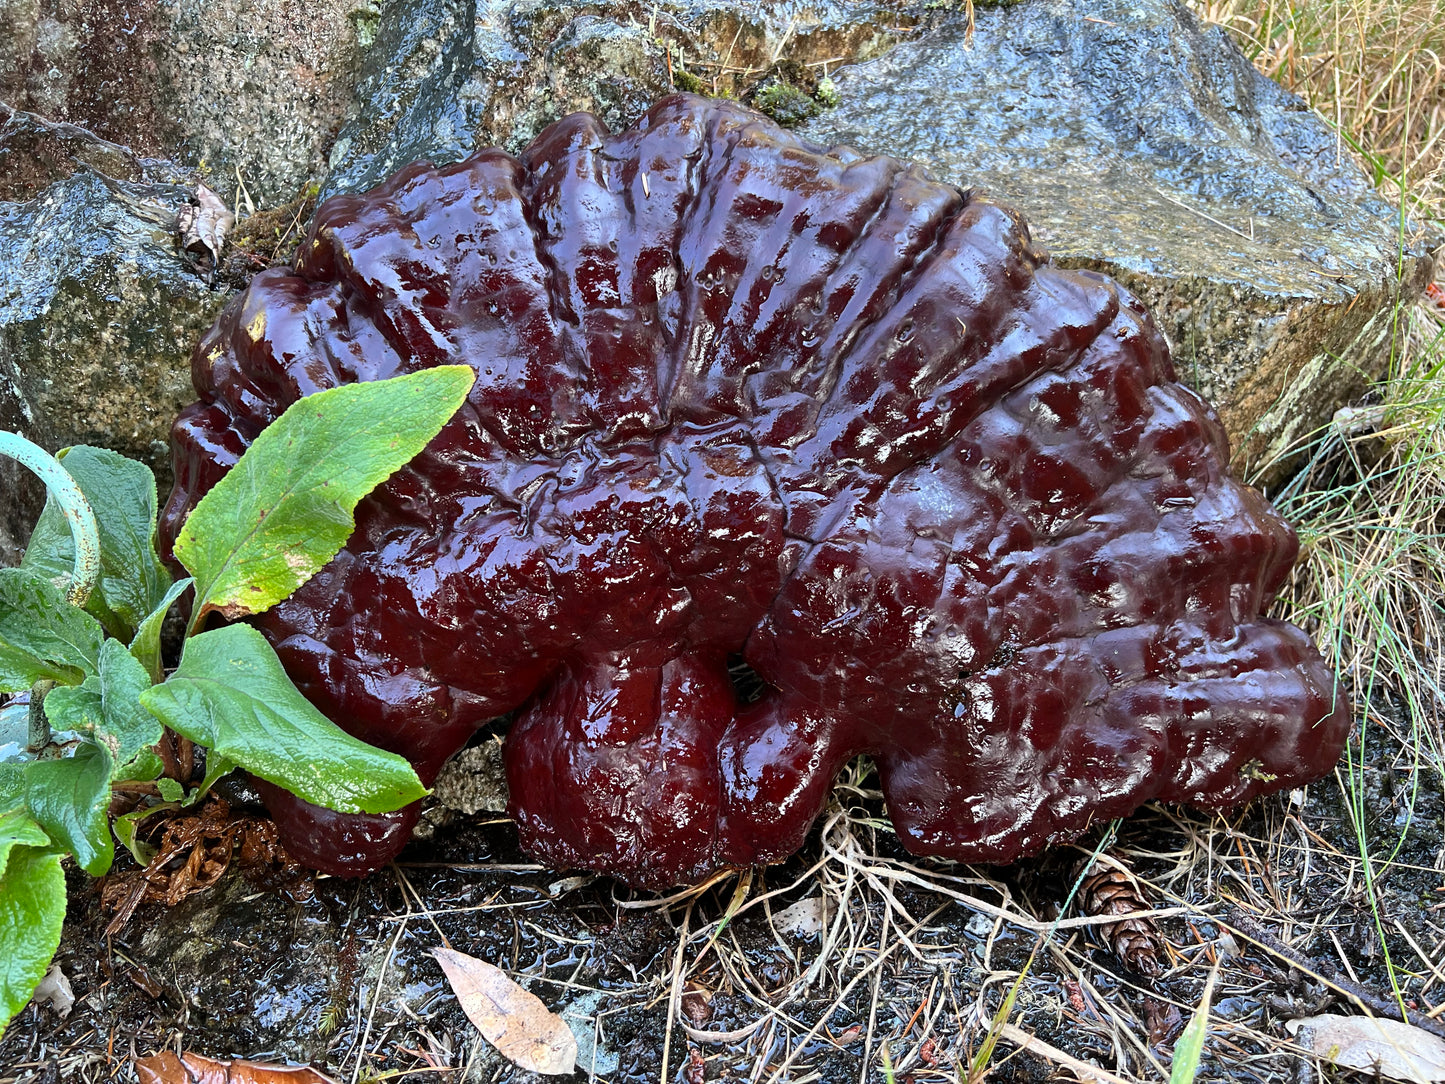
(1112, 890)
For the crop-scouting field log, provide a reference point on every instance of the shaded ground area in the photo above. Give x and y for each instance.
(851, 961)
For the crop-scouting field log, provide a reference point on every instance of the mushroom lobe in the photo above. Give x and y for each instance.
(743, 400)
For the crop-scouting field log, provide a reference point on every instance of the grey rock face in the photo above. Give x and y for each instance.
(258, 86)
(98, 314)
(1141, 145)
(474, 781)
(444, 78)
(257, 971)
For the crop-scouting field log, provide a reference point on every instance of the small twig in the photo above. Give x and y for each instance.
(674, 998)
(873, 1003)
(130, 786)
(1424, 958)
(1032, 1043)
(1327, 973)
(1206, 217)
(185, 759)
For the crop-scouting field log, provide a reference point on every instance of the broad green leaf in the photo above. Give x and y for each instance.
(216, 766)
(70, 799)
(144, 768)
(128, 824)
(170, 790)
(107, 706)
(77, 708)
(285, 509)
(123, 494)
(18, 830)
(12, 786)
(41, 635)
(129, 728)
(146, 646)
(231, 695)
(32, 914)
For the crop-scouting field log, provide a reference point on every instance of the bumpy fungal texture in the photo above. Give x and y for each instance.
(742, 395)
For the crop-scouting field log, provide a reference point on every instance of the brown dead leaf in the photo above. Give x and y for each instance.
(168, 1068)
(202, 226)
(205, 223)
(1163, 1020)
(696, 1071)
(1386, 1048)
(514, 1021)
(196, 848)
(696, 1003)
(54, 990)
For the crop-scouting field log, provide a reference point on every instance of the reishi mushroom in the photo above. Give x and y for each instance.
(739, 395)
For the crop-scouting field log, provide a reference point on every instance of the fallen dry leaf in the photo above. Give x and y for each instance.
(806, 918)
(1163, 1020)
(696, 1003)
(514, 1021)
(201, 227)
(168, 1068)
(205, 223)
(1387, 1047)
(55, 991)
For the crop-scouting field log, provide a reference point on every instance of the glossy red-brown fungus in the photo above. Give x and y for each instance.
(740, 395)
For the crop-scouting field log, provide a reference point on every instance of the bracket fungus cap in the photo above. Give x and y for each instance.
(743, 397)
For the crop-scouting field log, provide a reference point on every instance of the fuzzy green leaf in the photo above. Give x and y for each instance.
(144, 768)
(285, 509)
(107, 706)
(42, 636)
(170, 790)
(231, 695)
(17, 829)
(146, 645)
(32, 914)
(70, 799)
(123, 494)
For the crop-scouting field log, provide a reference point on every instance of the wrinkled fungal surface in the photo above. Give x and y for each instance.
(743, 396)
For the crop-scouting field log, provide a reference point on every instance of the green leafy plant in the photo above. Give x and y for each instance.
(80, 630)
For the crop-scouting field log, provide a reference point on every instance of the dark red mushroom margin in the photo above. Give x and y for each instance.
(741, 395)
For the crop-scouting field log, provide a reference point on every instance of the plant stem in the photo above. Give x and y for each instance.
(39, 736)
(72, 502)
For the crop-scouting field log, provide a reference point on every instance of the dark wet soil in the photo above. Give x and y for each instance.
(346, 975)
